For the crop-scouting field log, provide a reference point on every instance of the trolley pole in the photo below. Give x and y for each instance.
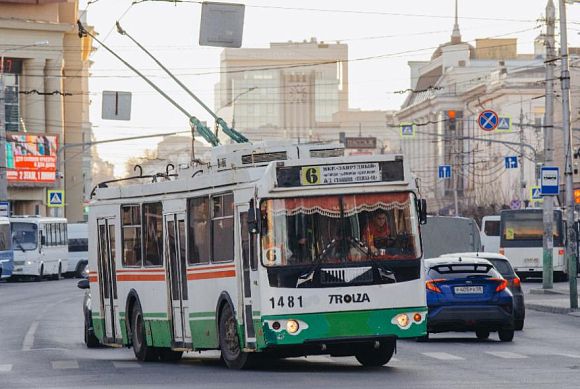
(548, 264)
(571, 235)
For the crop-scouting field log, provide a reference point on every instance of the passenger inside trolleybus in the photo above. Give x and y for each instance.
(337, 229)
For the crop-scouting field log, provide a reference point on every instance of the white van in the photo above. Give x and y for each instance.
(78, 249)
(490, 233)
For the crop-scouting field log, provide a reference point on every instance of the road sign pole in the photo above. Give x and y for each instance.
(565, 82)
(548, 206)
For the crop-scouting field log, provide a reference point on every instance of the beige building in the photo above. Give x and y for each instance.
(46, 105)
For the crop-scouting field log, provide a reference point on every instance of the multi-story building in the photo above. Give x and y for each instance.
(464, 80)
(45, 76)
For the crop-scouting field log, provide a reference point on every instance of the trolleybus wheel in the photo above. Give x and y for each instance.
(482, 334)
(376, 357)
(168, 355)
(506, 335)
(229, 340)
(142, 351)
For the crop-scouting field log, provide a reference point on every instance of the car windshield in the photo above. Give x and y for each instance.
(334, 229)
(24, 235)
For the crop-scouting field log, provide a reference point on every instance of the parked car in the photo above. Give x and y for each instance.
(91, 339)
(468, 294)
(504, 267)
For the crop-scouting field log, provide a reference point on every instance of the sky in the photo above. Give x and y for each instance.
(382, 36)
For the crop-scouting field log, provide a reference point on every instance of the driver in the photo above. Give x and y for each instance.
(377, 232)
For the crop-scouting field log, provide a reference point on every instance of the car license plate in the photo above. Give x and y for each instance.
(468, 289)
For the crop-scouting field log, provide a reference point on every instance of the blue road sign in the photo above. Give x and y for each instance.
(444, 171)
(407, 130)
(504, 123)
(550, 181)
(488, 120)
(55, 198)
(511, 162)
(535, 193)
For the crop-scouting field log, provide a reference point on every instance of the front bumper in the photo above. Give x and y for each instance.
(341, 327)
(469, 317)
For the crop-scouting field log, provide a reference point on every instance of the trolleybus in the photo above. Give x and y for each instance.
(6, 254)
(40, 246)
(521, 241)
(263, 250)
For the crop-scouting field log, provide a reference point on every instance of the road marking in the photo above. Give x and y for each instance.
(5, 368)
(506, 354)
(65, 364)
(443, 356)
(29, 338)
(126, 365)
(567, 355)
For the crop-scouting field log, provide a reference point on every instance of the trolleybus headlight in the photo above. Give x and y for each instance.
(292, 326)
(402, 320)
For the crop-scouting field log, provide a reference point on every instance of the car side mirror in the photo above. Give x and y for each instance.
(83, 284)
(253, 218)
(422, 208)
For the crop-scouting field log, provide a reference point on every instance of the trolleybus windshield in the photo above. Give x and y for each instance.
(339, 229)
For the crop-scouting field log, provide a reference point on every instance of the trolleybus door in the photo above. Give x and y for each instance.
(247, 252)
(175, 245)
(108, 277)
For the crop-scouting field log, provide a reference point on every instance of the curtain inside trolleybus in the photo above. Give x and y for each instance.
(340, 229)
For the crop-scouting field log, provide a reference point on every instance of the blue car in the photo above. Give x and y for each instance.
(468, 294)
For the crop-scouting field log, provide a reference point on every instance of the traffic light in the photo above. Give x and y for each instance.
(451, 120)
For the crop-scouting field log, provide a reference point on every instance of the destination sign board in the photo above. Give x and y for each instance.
(340, 174)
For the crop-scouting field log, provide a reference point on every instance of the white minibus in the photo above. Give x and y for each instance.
(78, 249)
(490, 233)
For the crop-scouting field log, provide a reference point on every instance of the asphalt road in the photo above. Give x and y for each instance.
(41, 334)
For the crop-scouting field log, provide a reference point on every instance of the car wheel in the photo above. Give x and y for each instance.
(506, 335)
(168, 355)
(91, 339)
(482, 334)
(142, 351)
(229, 341)
(379, 356)
(519, 325)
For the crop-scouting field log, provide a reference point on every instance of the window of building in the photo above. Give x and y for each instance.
(153, 234)
(222, 224)
(12, 68)
(131, 235)
(199, 237)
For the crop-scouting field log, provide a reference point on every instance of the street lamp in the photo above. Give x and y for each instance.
(3, 176)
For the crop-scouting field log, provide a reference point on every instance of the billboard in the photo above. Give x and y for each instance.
(31, 158)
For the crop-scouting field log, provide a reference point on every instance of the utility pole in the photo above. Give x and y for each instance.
(571, 235)
(548, 215)
(3, 175)
(522, 157)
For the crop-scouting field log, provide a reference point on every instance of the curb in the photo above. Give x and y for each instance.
(552, 309)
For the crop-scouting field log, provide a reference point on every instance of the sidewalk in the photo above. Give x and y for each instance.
(556, 300)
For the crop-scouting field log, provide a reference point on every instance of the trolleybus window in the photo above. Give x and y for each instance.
(131, 216)
(24, 236)
(223, 228)
(5, 243)
(199, 238)
(153, 234)
(332, 229)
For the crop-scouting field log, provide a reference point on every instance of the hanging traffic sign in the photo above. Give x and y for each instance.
(444, 171)
(407, 130)
(511, 162)
(488, 120)
(55, 198)
(550, 181)
(504, 123)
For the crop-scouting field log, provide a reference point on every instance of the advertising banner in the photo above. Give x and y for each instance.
(31, 158)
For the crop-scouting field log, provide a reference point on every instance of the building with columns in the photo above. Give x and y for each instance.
(45, 76)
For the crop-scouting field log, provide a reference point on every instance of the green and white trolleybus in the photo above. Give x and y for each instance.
(269, 248)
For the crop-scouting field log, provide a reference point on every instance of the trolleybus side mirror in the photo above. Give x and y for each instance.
(83, 284)
(253, 218)
(422, 211)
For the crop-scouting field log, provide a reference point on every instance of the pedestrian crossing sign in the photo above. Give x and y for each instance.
(536, 194)
(407, 130)
(504, 124)
(55, 198)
